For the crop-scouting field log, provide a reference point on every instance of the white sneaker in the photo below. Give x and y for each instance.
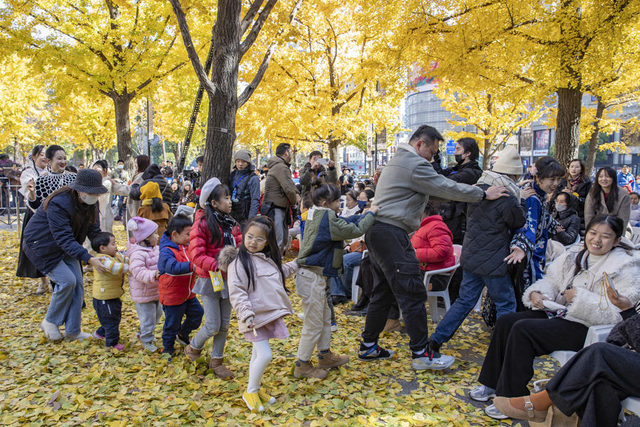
(80, 336)
(301, 315)
(150, 347)
(334, 327)
(494, 413)
(437, 363)
(482, 393)
(51, 331)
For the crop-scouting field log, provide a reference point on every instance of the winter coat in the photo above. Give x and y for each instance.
(590, 307)
(153, 174)
(279, 188)
(433, 243)
(621, 209)
(454, 214)
(202, 252)
(581, 191)
(161, 218)
(104, 202)
(48, 237)
(324, 235)
(570, 221)
(108, 285)
(134, 204)
(406, 184)
(177, 277)
(267, 299)
(30, 173)
(143, 265)
(311, 179)
(244, 186)
(490, 228)
(627, 332)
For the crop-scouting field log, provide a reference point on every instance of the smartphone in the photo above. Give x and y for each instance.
(609, 284)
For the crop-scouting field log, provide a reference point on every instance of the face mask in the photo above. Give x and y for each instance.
(89, 199)
(459, 159)
(361, 204)
(561, 208)
(120, 167)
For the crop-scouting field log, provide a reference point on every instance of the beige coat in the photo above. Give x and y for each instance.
(621, 209)
(267, 300)
(279, 188)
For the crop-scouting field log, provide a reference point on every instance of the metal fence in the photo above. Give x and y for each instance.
(12, 205)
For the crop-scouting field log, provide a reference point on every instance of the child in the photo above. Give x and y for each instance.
(259, 297)
(107, 289)
(176, 285)
(153, 207)
(320, 257)
(143, 277)
(214, 228)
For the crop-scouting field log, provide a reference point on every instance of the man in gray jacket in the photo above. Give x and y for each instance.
(401, 194)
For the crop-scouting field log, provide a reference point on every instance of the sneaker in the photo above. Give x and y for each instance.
(183, 341)
(375, 352)
(150, 347)
(265, 398)
(334, 327)
(192, 353)
(51, 331)
(431, 360)
(301, 315)
(97, 336)
(41, 289)
(80, 336)
(331, 360)
(118, 347)
(253, 402)
(494, 413)
(482, 393)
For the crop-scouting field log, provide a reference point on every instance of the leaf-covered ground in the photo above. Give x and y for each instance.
(84, 383)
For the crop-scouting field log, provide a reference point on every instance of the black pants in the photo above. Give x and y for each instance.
(594, 382)
(517, 340)
(191, 311)
(396, 273)
(109, 314)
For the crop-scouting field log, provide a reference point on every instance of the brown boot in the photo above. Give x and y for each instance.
(307, 370)
(192, 353)
(331, 360)
(219, 369)
(392, 325)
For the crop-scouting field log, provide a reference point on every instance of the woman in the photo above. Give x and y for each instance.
(606, 197)
(567, 216)
(244, 185)
(56, 177)
(104, 202)
(188, 196)
(563, 305)
(578, 184)
(53, 242)
(594, 382)
(365, 198)
(133, 204)
(351, 204)
(27, 180)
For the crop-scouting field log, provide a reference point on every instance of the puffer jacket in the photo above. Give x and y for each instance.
(433, 243)
(570, 221)
(590, 307)
(279, 188)
(153, 174)
(143, 265)
(267, 299)
(176, 273)
(202, 252)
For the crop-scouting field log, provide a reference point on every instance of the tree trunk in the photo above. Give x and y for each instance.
(568, 124)
(593, 141)
(123, 129)
(221, 122)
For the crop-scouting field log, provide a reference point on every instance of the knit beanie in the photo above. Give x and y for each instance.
(242, 155)
(509, 162)
(151, 190)
(206, 191)
(141, 228)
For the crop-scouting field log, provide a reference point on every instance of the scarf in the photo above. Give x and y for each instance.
(227, 223)
(493, 178)
(573, 182)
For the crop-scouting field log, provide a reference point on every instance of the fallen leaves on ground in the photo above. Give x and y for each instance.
(84, 383)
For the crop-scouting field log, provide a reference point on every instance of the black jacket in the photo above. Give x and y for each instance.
(570, 221)
(454, 213)
(153, 174)
(582, 190)
(48, 237)
(244, 186)
(490, 227)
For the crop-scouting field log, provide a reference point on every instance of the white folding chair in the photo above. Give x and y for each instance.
(432, 296)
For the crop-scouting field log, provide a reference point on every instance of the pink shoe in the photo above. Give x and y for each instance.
(119, 347)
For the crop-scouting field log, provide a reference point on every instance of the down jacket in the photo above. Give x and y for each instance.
(267, 299)
(590, 307)
(143, 265)
(279, 188)
(433, 243)
(176, 273)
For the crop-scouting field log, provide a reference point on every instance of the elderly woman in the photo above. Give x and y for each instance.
(563, 305)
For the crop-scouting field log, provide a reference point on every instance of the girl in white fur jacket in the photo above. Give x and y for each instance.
(563, 304)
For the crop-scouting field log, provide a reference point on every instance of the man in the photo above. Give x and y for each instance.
(402, 192)
(346, 181)
(625, 179)
(280, 193)
(314, 173)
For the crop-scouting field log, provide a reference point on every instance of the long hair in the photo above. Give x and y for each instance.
(582, 169)
(217, 194)
(596, 188)
(157, 205)
(271, 249)
(83, 214)
(614, 223)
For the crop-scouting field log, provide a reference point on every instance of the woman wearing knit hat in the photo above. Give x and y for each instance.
(244, 185)
(153, 207)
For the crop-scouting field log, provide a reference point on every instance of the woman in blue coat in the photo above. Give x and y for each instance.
(53, 242)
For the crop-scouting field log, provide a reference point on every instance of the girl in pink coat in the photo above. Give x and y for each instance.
(143, 277)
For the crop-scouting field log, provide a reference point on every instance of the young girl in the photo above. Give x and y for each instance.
(143, 277)
(213, 229)
(153, 207)
(259, 298)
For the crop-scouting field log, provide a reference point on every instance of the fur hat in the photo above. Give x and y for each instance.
(206, 191)
(509, 162)
(141, 228)
(226, 257)
(151, 190)
(242, 155)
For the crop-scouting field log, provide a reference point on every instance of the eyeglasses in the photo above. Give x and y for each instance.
(258, 240)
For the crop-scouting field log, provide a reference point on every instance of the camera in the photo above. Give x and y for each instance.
(193, 176)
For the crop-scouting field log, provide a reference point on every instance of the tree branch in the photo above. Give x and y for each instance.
(246, 44)
(251, 13)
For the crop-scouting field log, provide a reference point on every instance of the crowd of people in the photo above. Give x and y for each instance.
(199, 250)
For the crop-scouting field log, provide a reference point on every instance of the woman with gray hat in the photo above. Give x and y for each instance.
(53, 242)
(244, 186)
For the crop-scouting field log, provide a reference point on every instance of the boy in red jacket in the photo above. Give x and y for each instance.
(176, 285)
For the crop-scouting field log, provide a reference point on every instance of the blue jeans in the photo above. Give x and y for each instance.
(66, 301)
(500, 289)
(342, 285)
(109, 314)
(192, 312)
